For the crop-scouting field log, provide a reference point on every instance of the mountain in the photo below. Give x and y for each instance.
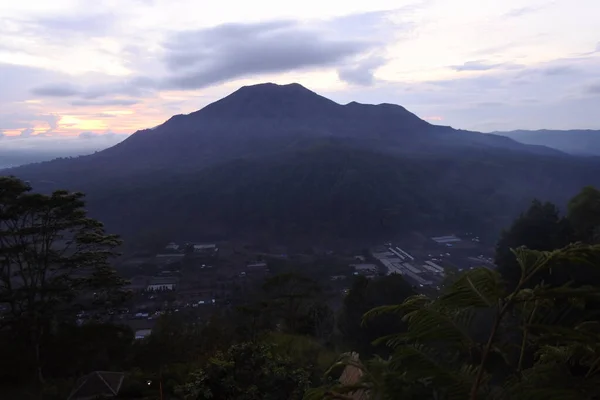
(265, 119)
(284, 162)
(581, 142)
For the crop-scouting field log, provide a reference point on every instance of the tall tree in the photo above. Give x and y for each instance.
(364, 295)
(539, 228)
(584, 214)
(51, 255)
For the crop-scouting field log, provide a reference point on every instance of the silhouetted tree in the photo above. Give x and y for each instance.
(539, 228)
(51, 255)
(584, 214)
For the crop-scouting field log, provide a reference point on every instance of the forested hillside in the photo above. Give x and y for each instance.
(528, 330)
(286, 162)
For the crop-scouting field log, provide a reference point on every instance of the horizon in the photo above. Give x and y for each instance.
(101, 73)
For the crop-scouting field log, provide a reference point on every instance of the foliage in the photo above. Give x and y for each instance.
(51, 256)
(539, 228)
(530, 352)
(584, 214)
(247, 371)
(364, 295)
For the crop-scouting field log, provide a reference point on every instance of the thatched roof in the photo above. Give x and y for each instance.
(97, 385)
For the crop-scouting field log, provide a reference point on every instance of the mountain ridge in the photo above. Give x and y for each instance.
(572, 141)
(286, 162)
(261, 119)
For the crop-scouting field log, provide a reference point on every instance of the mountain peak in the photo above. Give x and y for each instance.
(270, 100)
(275, 86)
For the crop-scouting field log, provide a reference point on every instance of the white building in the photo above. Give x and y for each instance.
(204, 248)
(172, 246)
(161, 284)
(142, 333)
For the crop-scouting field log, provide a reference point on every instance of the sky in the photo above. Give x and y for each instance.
(76, 76)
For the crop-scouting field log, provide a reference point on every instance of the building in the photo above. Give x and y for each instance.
(142, 333)
(161, 284)
(205, 248)
(446, 239)
(365, 268)
(169, 258)
(172, 247)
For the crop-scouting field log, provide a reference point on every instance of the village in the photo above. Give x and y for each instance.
(195, 279)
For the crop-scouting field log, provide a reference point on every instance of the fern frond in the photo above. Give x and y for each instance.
(480, 288)
(410, 304)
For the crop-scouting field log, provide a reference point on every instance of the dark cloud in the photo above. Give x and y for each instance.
(27, 132)
(17, 79)
(593, 89)
(56, 90)
(362, 72)
(201, 58)
(136, 87)
(208, 56)
(560, 70)
(104, 102)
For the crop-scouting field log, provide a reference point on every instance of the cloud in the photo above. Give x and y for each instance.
(482, 65)
(593, 89)
(27, 132)
(560, 70)
(139, 86)
(19, 121)
(519, 12)
(56, 90)
(205, 57)
(63, 27)
(478, 65)
(194, 59)
(88, 135)
(363, 72)
(104, 102)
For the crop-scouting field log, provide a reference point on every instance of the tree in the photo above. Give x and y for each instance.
(296, 303)
(51, 255)
(543, 342)
(247, 371)
(364, 295)
(539, 228)
(584, 214)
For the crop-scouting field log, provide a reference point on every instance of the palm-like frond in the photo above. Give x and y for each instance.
(547, 337)
(479, 288)
(411, 304)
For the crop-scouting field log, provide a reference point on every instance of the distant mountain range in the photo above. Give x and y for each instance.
(284, 162)
(579, 142)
